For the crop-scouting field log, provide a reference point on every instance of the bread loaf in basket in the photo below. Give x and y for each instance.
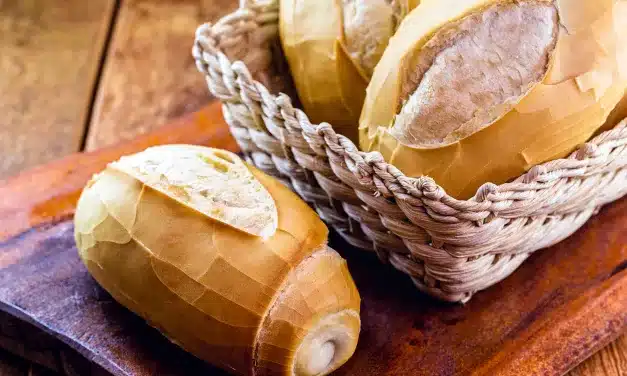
(451, 248)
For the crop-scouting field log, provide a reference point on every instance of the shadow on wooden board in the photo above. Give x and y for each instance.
(563, 304)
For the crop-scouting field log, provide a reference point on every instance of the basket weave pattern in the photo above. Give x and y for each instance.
(450, 248)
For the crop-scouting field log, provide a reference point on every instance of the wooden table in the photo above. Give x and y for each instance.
(80, 75)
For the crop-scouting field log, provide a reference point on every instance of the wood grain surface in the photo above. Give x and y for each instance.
(149, 76)
(41, 353)
(562, 305)
(12, 365)
(51, 191)
(50, 52)
(611, 361)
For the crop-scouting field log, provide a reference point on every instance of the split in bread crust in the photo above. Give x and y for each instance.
(332, 47)
(473, 71)
(368, 26)
(463, 148)
(214, 182)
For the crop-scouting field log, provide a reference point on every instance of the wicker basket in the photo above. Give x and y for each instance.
(450, 248)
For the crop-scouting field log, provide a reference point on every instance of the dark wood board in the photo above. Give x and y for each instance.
(562, 305)
(610, 361)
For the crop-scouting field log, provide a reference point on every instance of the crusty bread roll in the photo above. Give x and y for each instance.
(476, 91)
(332, 47)
(224, 260)
(618, 114)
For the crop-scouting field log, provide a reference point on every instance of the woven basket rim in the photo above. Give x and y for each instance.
(450, 247)
(420, 187)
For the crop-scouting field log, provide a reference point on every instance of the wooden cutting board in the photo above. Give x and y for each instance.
(562, 305)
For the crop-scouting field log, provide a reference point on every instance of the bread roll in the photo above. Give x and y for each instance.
(618, 114)
(225, 261)
(332, 47)
(476, 91)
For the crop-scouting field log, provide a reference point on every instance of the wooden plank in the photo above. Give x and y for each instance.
(10, 365)
(150, 76)
(50, 53)
(611, 361)
(562, 305)
(43, 354)
(13, 365)
(57, 195)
